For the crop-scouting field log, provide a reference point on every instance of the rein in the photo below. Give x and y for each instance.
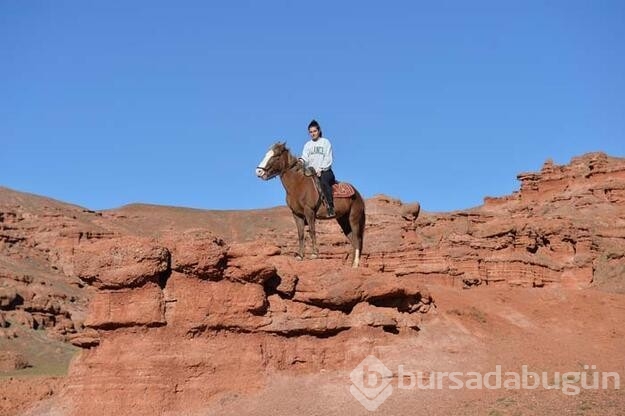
(292, 165)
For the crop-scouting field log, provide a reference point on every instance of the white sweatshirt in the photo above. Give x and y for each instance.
(318, 154)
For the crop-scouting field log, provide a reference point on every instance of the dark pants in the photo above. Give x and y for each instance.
(327, 180)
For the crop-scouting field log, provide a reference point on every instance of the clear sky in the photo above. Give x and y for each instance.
(105, 103)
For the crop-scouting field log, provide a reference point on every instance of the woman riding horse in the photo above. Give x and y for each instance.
(304, 200)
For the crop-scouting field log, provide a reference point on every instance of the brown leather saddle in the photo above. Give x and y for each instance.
(339, 189)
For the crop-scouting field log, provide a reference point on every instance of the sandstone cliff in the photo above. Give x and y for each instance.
(180, 306)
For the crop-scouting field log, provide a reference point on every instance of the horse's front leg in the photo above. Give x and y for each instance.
(299, 221)
(310, 218)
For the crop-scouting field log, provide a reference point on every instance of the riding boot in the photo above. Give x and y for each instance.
(330, 202)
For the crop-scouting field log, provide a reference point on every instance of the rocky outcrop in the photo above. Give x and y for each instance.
(138, 285)
(200, 326)
(561, 229)
(38, 290)
(178, 305)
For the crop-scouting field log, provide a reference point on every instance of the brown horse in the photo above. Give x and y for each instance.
(304, 200)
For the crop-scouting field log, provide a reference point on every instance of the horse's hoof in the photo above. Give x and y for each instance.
(298, 257)
(314, 256)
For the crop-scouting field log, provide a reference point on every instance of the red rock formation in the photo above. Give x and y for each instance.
(167, 334)
(186, 304)
(561, 228)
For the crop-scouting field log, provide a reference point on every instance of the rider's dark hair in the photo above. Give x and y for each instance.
(314, 123)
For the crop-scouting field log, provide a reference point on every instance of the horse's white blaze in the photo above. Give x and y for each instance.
(263, 163)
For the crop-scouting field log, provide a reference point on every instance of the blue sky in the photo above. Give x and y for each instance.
(105, 103)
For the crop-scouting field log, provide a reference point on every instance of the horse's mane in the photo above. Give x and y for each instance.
(292, 159)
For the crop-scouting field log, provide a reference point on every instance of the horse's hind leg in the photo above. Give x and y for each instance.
(347, 230)
(299, 221)
(358, 227)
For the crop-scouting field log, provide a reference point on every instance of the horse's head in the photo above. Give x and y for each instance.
(275, 162)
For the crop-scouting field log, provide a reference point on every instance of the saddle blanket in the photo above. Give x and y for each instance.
(342, 190)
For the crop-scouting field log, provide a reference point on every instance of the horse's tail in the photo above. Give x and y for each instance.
(363, 219)
(359, 207)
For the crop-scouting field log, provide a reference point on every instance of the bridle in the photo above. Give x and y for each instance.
(291, 165)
